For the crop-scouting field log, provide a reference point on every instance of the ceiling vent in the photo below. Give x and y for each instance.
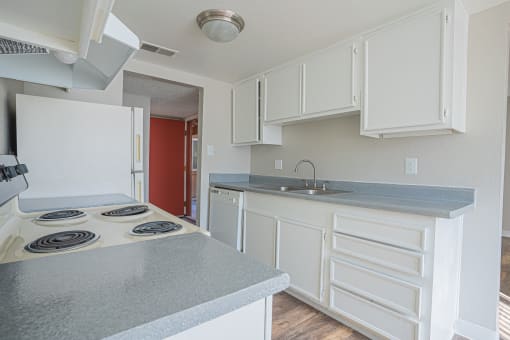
(158, 49)
(15, 47)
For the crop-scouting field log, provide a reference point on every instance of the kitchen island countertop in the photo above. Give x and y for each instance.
(150, 289)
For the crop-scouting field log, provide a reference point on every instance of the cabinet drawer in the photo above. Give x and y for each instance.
(377, 318)
(392, 293)
(402, 234)
(380, 255)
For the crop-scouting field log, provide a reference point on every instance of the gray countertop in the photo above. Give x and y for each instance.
(441, 202)
(150, 289)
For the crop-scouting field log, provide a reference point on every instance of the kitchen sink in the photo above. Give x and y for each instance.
(319, 191)
(284, 188)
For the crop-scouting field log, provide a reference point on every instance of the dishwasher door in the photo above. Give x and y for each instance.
(226, 216)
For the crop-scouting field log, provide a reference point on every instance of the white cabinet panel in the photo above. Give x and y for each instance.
(245, 112)
(282, 93)
(373, 316)
(414, 74)
(404, 83)
(386, 290)
(301, 254)
(330, 81)
(404, 233)
(260, 237)
(382, 256)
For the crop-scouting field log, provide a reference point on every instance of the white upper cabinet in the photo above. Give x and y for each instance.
(282, 93)
(414, 74)
(245, 112)
(246, 123)
(330, 81)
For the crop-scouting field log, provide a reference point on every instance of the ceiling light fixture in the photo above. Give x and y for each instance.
(220, 25)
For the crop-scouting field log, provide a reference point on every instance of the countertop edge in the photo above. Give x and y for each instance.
(439, 213)
(189, 318)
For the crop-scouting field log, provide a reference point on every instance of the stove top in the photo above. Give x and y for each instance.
(24, 237)
(62, 241)
(156, 227)
(131, 210)
(60, 215)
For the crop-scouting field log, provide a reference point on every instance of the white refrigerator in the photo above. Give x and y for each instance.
(75, 148)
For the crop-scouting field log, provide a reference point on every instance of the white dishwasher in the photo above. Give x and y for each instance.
(226, 216)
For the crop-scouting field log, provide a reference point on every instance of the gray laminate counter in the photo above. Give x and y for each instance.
(144, 290)
(441, 202)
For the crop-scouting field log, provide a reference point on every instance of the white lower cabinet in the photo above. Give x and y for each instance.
(373, 316)
(394, 293)
(301, 254)
(386, 274)
(260, 237)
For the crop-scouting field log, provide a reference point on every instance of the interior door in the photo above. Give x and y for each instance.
(191, 167)
(166, 165)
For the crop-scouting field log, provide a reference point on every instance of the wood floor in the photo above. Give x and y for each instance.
(293, 319)
(504, 291)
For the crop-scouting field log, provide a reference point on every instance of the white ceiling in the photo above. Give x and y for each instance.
(276, 31)
(168, 99)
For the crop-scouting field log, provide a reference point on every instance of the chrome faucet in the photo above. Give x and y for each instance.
(313, 166)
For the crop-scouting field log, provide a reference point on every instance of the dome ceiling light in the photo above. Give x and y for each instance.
(220, 25)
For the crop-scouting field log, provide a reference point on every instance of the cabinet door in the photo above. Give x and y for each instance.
(330, 81)
(245, 112)
(260, 237)
(404, 74)
(282, 93)
(301, 254)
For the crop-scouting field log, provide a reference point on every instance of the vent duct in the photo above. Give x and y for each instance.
(15, 47)
(158, 49)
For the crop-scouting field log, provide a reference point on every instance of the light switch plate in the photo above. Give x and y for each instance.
(210, 150)
(411, 166)
(278, 164)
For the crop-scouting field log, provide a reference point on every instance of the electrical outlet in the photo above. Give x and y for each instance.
(278, 164)
(411, 166)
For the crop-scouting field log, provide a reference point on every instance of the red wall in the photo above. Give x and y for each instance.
(166, 165)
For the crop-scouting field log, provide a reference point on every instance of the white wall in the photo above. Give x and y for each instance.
(8, 90)
(215, 126)
(474, 159)
(506, 198)
(145, 103)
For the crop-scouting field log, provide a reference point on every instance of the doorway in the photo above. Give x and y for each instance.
(191, 168)
(171, 120)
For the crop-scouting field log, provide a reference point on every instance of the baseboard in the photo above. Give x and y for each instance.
(505, 233)
(473, 331)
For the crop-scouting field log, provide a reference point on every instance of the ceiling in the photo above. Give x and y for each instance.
(275, 32)
(168, 99)
(45, 17)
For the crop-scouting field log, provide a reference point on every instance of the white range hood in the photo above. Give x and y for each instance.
(49, 50)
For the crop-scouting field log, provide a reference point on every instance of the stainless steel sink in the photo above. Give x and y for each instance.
(284, 188)
(318, 191)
